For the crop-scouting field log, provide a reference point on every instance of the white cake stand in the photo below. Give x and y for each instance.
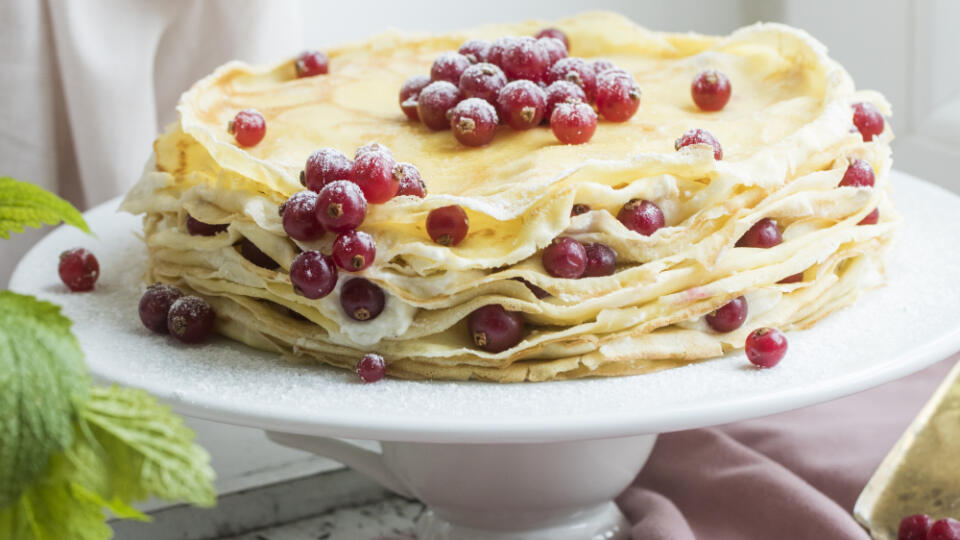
(497, 462)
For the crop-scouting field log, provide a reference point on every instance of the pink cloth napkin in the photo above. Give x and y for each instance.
(794, 475)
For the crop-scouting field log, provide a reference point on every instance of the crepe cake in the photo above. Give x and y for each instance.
(787, 138)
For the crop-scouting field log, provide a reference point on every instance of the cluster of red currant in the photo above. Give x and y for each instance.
(519, 81)
(923, 527)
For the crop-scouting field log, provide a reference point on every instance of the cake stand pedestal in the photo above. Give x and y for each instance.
(545, 491)
(502, 462)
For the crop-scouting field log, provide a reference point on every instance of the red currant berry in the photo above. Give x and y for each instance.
(155, 305)
(199, 228)
(618, 96)
(434, 102)
(299, 215)
(710, 90)
(448, 67)
(560, 92)
(324, 166)
(577, 71)
(313, 274)
(474, 122)
(858, 174)
(409, 93)
(354, 251)
(495, 329)
(700, 136)
(554, 48)
(601, 260)
(601, 65)
(524, 58)
(795, 278)
(555, 33)
(914, 527)
(763, 234)
(521, 105)
(573, 122)
(371, 368)
(499, 45)
(872, 218)
(765, 347)
(252, 253)
(78, 269)
(476, 50)
(482, 81)
(248, 127)
(578, 209)
(311, 63)
(944, 529)
(373, 172)
(537, 291)
(641, 216)
(868, 120)
(341, 206)
(448, 225)
(190, 319)
(565, 258)
(372, 148)
(410, 181)
(362, 300)
(729, 316)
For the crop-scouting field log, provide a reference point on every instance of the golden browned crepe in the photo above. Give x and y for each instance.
(787, 140)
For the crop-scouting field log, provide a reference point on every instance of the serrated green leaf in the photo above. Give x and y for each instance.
(23, 204)
(42, 378)
(151, 451)
(54, 508)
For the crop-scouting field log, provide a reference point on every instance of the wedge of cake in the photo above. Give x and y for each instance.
(664, 236)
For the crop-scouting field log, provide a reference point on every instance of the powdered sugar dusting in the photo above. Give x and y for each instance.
(892, 331)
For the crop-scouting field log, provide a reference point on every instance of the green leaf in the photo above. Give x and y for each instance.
(23, 204)
(42, 379)
(151, 451)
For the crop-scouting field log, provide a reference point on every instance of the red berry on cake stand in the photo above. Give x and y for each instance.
(618, 96)
(324, 166)
(78, 269)
(729, 316)
(710, 90)
(473, 122)
(564, 258)
(190, 319)
(763, 234)
(858, 174)
(354, 251)
(449, 66)
(448, 225)
(371, 368)
(641, 216)
(312, 63)
(434, 101)
(521, 105)
(482, 81)
(494, 329)
(299, 217)
(341, 206)
(410, 180)
(476, 50)
(561, 91)
(313, 274)
(248, 127)
(554, 48)
(362, 299)
(524, 58)
(601, 260)
(555, 33)
(155, 306)
(914, 527)
(700, 136)
(765, 347)
(373, 172)
(409, 92)
(573, 122)
(868, 120)
(577, 71)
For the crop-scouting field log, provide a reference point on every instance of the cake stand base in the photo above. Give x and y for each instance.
(536, 491)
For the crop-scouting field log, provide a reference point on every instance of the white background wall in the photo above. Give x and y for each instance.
(907, 49)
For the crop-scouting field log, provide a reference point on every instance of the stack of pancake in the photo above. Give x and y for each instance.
(787, 138)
